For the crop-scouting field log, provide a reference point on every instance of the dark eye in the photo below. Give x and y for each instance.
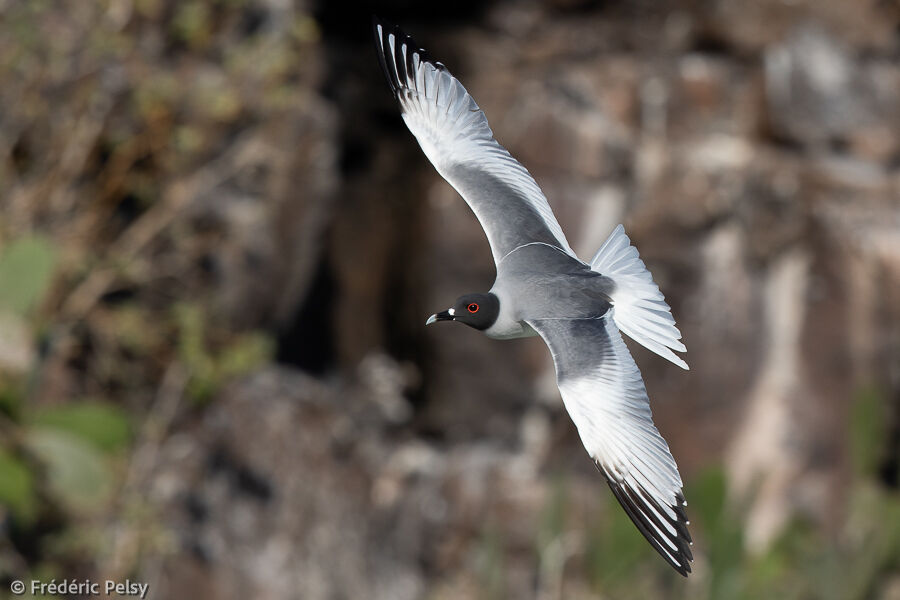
(472, 308)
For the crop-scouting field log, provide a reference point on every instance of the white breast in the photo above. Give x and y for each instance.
(508, 325)
(507, 330)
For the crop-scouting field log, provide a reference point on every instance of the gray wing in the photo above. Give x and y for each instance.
(455, 136)
(604, 394)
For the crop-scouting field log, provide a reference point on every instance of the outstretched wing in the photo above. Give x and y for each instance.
(455, 136)
(604, 394)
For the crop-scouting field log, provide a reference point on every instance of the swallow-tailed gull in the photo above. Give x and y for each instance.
(542, 288)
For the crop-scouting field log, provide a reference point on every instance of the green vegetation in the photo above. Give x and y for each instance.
(17, 487)
(63, 460)
(110, 109)
(26, 267)
(104, 426)
(210, 368)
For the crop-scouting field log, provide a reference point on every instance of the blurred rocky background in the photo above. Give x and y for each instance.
(219, 245)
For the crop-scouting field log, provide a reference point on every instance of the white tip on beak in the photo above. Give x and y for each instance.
(431, 319)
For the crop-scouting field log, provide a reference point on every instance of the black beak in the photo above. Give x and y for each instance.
(441, 316)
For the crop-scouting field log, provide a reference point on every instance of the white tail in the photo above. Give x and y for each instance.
(641, 309)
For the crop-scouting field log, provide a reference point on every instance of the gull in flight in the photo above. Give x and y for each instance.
(542, 288)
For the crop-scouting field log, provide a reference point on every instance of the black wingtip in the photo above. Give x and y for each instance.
(381, 30)
(381, 24)
(649, 525)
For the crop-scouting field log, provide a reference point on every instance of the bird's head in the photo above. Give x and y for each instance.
(475, 310)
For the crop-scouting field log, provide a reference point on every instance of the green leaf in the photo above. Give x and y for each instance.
(77, 474)
(103, 425)
(11, 397)
(868, 430)
(26, 267)
(16, 487)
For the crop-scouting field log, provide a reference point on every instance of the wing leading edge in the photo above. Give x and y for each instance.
(455, 136)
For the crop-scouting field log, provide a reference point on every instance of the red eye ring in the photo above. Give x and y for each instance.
(472, 308)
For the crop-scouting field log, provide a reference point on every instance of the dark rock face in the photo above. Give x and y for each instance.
(294, 488)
